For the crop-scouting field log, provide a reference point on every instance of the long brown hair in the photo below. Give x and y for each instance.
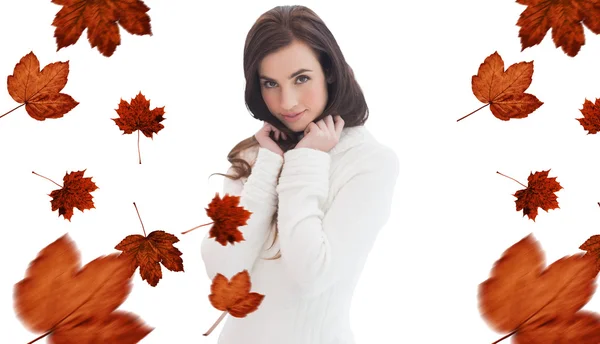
(273, 30)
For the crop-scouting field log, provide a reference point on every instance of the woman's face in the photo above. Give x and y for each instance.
(293, 81)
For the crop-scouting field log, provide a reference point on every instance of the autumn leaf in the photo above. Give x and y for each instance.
(581, 328)
(539, 305)
(77, 305)
(233, 297)
(227, 216)
(39, 90)
(138, 116)
(539, 192)
(75, 193)
(591, 116)
(148, 251)
(504, 91)
(564, 17)
(592, 246)
(100, 18)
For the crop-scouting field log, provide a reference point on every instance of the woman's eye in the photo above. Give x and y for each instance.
(303, 76)
(267, 85)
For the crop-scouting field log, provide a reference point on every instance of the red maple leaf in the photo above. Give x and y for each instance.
(591, 116)
(592, 246)
(564, 17)
(39, 90)
(138, 116)
(539, 193)
(100, 18)
(504, 91)
(227, 216)
(77, 305)
(75, 193)
(148, 251)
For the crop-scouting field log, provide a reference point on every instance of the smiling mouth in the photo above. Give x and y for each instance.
(294, 116)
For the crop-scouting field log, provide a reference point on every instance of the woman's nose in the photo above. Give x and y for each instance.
(288, 99)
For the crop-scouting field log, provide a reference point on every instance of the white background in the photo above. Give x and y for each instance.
(453, 216)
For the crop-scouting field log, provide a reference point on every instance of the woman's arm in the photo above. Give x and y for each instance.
(258, 196)
(317, 248)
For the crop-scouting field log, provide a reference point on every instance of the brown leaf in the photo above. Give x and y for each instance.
(227, 216)
(57, 296)
(591, 116)
(117, 328)
(138, 116)
(234, 296)
(592, 246)
(40, 91)
(75, 193)
(504, 91)
(521, 296)
(540, 192)
(564, 17)
(148, 252)
(100, 18)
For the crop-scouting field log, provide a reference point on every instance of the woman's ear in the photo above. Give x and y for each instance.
(330, 79)
(328, 76)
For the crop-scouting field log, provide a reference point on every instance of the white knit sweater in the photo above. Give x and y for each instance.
(331, 208)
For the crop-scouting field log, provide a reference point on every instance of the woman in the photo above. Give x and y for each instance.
(318, 184)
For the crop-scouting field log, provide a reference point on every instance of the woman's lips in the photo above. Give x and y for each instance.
(294, 118)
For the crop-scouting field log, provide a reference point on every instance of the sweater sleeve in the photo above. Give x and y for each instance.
(318, 248)
(258, 196)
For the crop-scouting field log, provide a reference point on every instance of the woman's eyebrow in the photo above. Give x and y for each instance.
(302, 70)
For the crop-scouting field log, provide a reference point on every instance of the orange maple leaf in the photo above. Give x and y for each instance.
(540, 305)
(233, 297)
(39, 90)
(100, 18)
(73, 305)
(591, 116)
(540, 192)
(227, 216)
(75, 193)
(581, 328)
(504, 91)
(138, 116)
(564, 17)
(148, 252)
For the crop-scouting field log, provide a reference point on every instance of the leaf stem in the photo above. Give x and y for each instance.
(139, 154)
(40, 337)
(503, 338)
(189, 230)
(47, 178)
(139, 217)
(12, 110)
(215, 324)
(511, 178)
(472, 112)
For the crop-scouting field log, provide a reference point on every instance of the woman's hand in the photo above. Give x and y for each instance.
(262, 136)
(323, 135)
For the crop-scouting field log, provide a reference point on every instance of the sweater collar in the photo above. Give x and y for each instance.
(350, 137)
